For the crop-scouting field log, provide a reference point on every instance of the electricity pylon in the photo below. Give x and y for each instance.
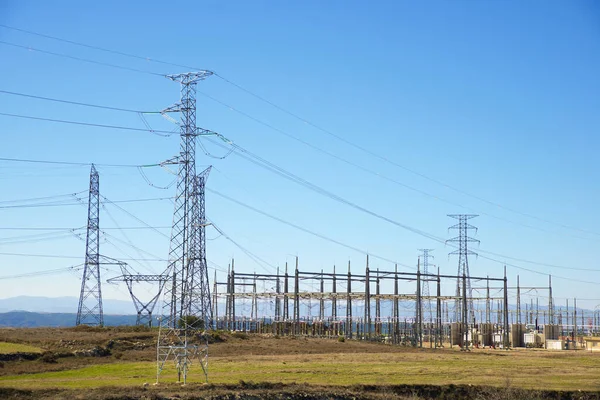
(425, 289)
(89, 311)
(463, 252)
(186, 311)
(143, 308)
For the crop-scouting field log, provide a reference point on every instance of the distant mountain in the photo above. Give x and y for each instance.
(61, 305)
(24, 319)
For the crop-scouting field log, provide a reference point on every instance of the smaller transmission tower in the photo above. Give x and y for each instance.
(89, 311)
(143, 308)
(425, 256)
(463, 252)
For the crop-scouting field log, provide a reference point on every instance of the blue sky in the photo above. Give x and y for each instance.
(495, 99)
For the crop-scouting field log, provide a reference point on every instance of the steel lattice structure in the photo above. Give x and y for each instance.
(463, 252)
(89, 311)
(187, 298)
(198, 285)
(425, 289)
(144, 309)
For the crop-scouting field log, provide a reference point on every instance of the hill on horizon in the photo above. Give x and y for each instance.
(65, 304)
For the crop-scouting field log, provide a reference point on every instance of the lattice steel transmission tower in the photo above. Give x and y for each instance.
(89, 311)
(198, 289)
(425, 256)
(463, 252)
(186, 311)
(143, 308)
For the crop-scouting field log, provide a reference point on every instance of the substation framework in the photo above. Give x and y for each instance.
(351, 308)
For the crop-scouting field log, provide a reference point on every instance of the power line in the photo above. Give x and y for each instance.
(266, 214)
(278, 107)
(73, 257)
(257, 160)
(121, 53)
(44, 272)
(62, 121)
(200, 131)
(391, 162)
(55, 204)
(258, 260)
(31, 199)
(69, 229)
(373, 172)
(77, 103)
(86, 60)
(338, 137)
(25, 160)
(135, 217)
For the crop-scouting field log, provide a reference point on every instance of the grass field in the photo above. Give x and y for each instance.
(314, 362)
(529, 370)
(9, 348)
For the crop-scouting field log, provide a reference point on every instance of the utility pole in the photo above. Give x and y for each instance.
(463, 239)
(186, 310)
(89, 311)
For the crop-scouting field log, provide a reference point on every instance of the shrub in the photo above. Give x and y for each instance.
(240, 335)
(49, 357)
(341, 339)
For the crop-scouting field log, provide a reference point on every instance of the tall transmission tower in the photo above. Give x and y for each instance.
(186, 307)
(89, 311)
(463, 252)
(198, 285)
(425, 256)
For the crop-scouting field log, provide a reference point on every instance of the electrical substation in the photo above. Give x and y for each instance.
(390, 306)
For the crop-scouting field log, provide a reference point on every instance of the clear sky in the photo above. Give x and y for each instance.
(495, 102)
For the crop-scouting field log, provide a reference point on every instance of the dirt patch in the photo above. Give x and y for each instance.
(278, 391)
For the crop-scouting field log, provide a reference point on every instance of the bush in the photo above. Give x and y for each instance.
(215, 336)
(341, 339)
(240, 335)
(49, 357)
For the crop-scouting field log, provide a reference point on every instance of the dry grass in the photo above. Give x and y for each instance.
(9, 348)
(319, 362)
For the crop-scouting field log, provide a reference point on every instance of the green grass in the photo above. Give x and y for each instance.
(572, 372)
(8, 348)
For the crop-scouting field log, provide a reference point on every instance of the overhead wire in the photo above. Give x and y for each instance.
(257, 160)
(77, 103)
(298, 227)
(134, 216)
(280, 108)
(376, 173)
(70, 228)
(284, 110)
(88, 164)
(57, 204)
(104, 49)
(70, 256)
(144, 265)
(34, 199)
(396, 164)
(257, 259)
(43, 272)
(82, 59)
(62, 121)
